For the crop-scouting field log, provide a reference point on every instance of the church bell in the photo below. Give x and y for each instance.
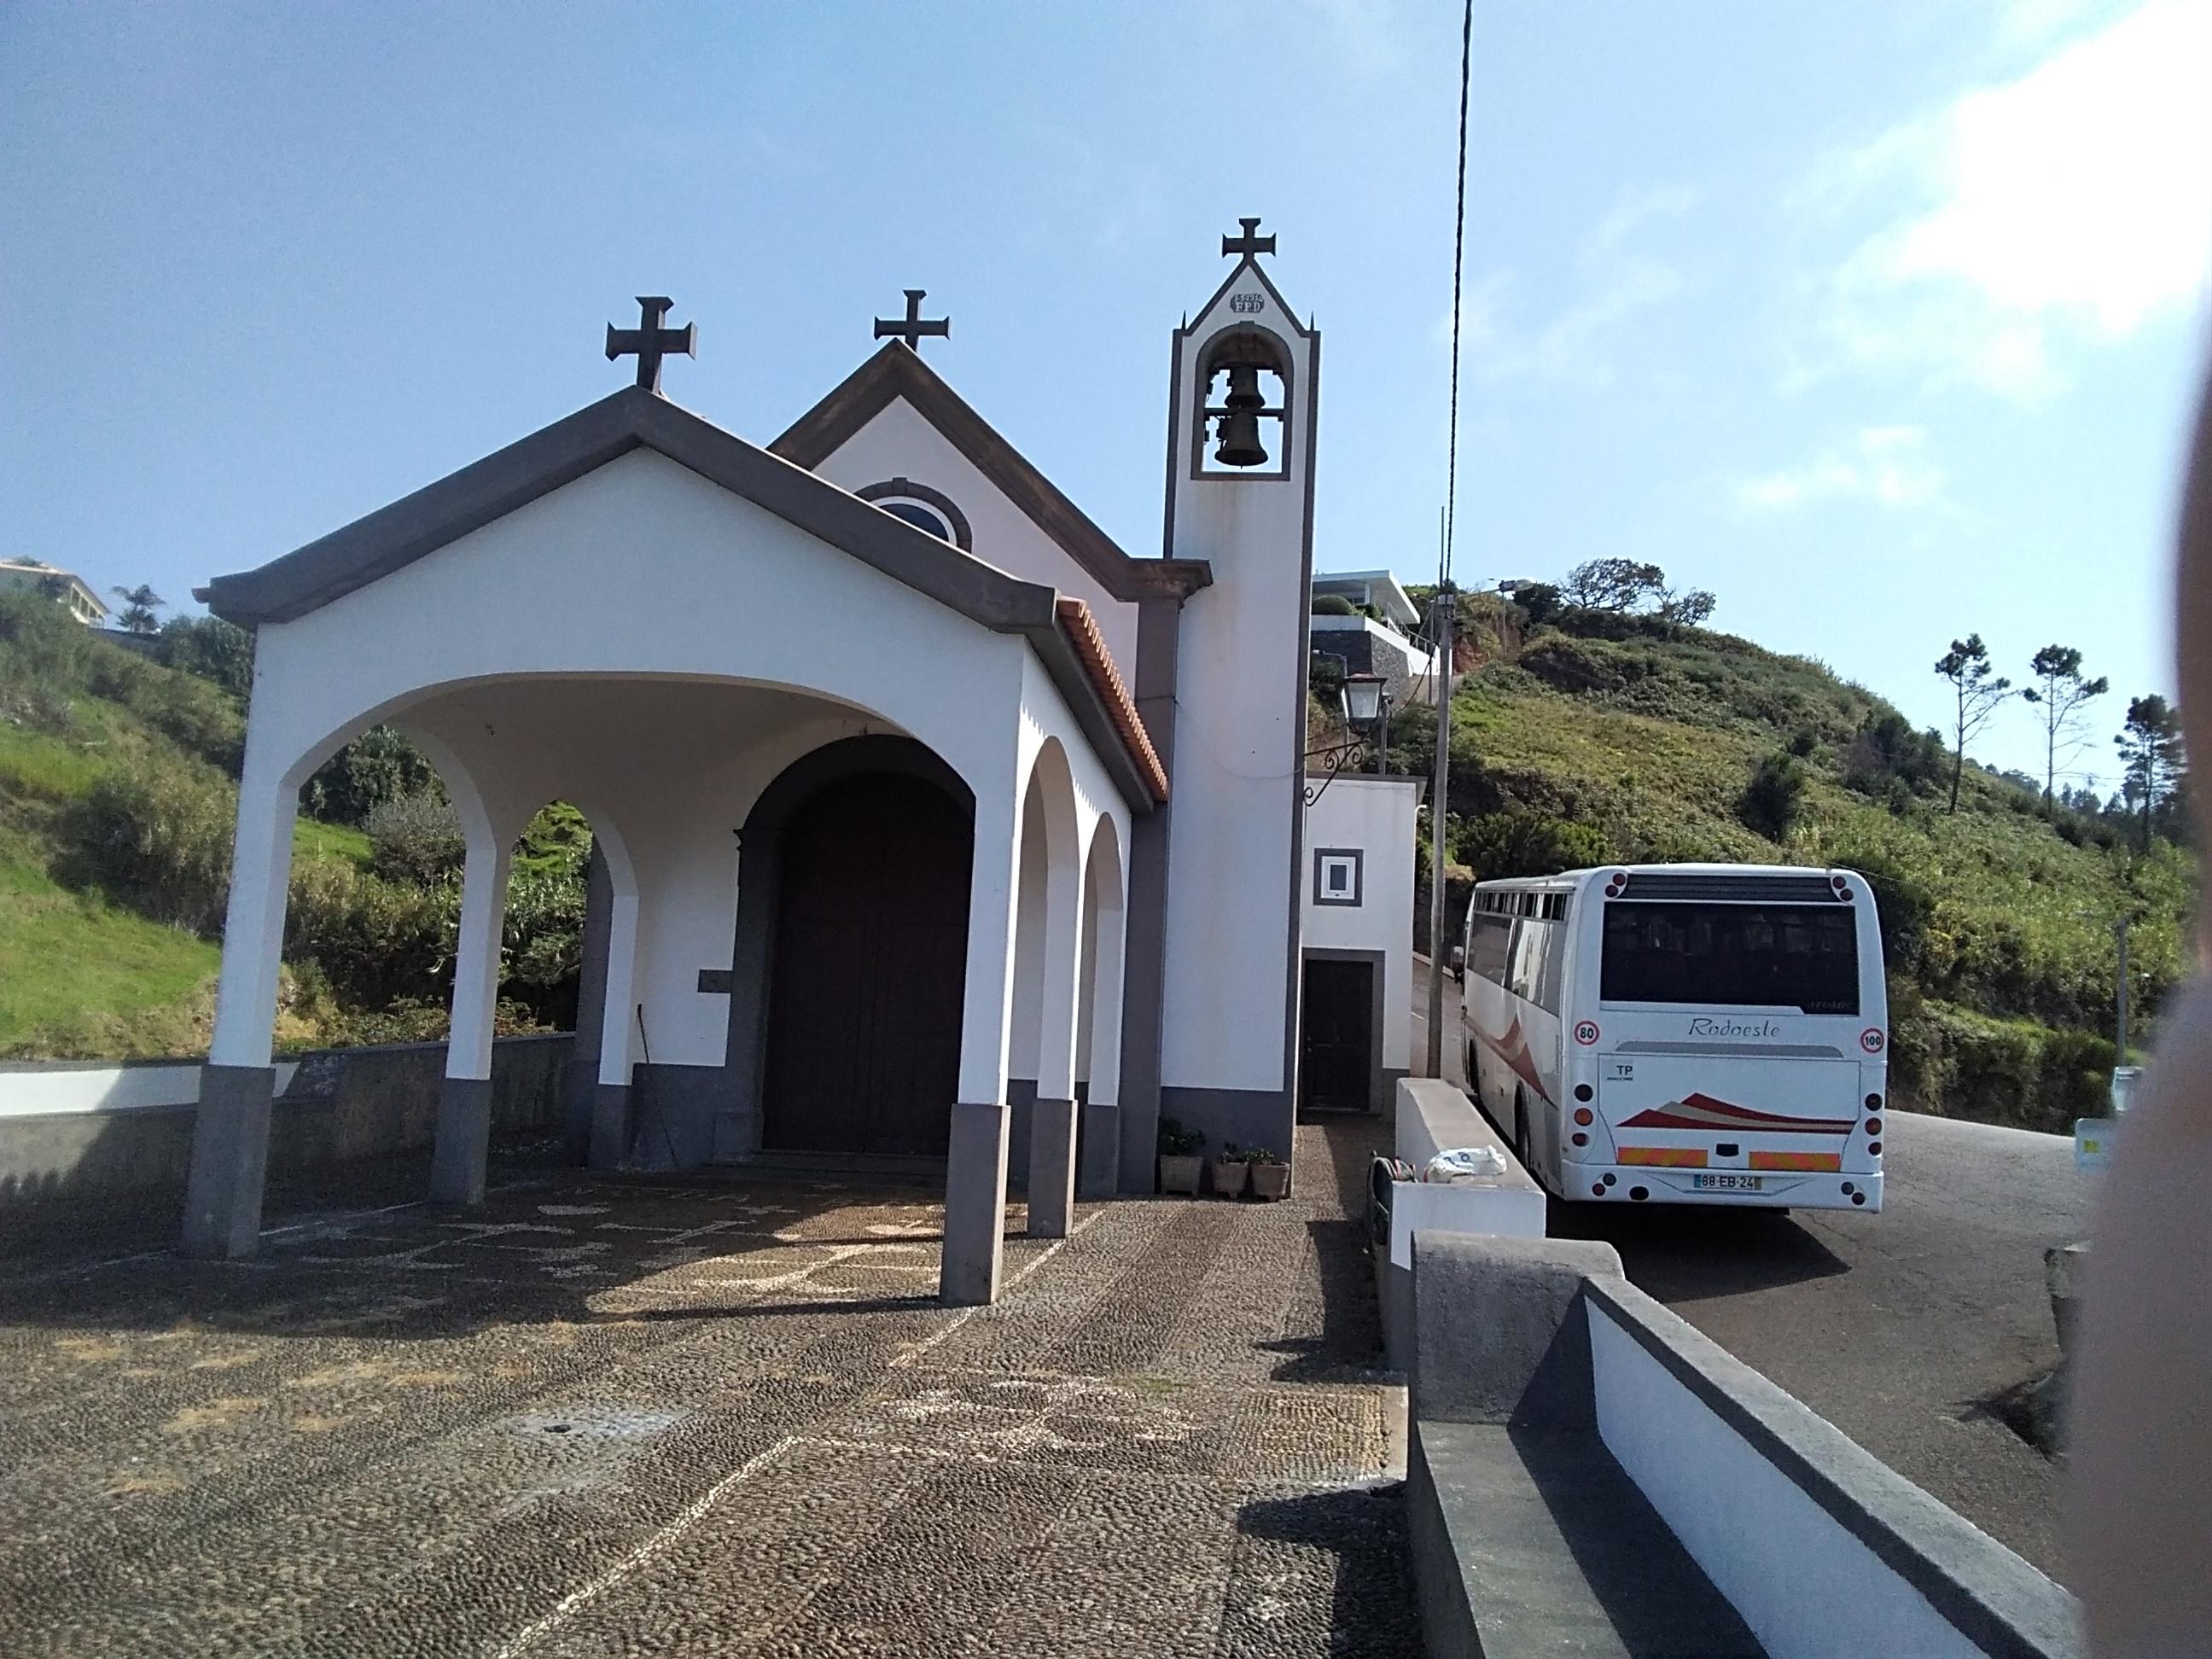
(1239, 423)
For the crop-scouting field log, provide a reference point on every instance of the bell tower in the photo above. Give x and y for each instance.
(1240, 496)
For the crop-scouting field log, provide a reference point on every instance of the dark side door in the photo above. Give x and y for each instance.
(1337, 1033)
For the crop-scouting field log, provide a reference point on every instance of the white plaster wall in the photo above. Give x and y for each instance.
(713, 587)
(468, 644)
(900, 442)
(1239, 742)
(1806, 1586)
(1028, 942)
(1382, 817)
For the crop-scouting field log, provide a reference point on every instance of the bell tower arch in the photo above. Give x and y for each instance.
(1241, 431)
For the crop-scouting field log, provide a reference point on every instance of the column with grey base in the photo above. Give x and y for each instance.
(464, 1143)
(230, 1160)
(230, 1131)
(975, 1153)
(974, 1204)
(1099, 1174)
(1052, 1168)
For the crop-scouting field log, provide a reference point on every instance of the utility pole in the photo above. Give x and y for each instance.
(1440, 953)
(2120, 1033)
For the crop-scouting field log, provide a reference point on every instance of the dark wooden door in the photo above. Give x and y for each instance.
(1337, 1030)
(869, 969)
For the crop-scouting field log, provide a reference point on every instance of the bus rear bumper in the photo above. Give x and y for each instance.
(1639, 1183)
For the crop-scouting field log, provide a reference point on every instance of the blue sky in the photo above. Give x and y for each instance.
(1879, 319)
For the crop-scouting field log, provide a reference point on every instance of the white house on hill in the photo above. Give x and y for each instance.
(65, 588)
(1003, 868)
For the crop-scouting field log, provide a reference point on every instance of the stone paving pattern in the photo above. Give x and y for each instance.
(606, 1417)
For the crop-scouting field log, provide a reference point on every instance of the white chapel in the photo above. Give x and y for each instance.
(1018, 858)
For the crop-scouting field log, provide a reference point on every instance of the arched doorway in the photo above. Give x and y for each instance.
(868, 969)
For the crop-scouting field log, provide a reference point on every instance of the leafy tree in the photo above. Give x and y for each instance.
(2151, 755)
(2060, 695)
(1499, 844)
(211, 648)
(1690, 609)
(53, 586)
(1614, 584)
(139, 604)
(1774, 799)
(380, 765)
(1539, 604)
(1979, 695)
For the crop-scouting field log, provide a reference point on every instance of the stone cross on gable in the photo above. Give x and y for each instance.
(911, 328)
(651, 341)
(1250, 243)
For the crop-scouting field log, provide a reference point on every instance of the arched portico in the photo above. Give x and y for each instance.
(524, 634)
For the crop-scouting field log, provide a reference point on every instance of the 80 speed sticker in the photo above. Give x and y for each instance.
(1586, 1031)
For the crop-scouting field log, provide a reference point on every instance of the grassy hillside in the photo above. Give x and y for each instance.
(118, 793)
(1571, 747)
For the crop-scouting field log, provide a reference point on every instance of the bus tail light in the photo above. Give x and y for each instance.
(1580, 1138)
(1874, 1147)
(1584, 1116)
(1874, 1126)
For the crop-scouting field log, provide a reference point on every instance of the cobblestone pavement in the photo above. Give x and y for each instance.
(599, 1417)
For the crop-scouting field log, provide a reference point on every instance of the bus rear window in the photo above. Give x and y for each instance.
(1759, 956)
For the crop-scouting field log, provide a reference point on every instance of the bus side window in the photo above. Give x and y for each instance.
(1547, 977)
(1486, 947)
(1529, 940)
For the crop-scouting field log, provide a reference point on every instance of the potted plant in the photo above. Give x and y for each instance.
(1270, 1176)
(1227, 1170)
(1178, 1148)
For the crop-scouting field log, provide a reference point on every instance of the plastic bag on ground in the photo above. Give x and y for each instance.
(1465, 1164)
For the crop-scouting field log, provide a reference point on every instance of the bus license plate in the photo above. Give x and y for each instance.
(1728, 1183)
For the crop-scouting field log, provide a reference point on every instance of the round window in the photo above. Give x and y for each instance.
(920, 517)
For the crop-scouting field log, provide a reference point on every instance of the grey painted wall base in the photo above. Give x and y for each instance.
(580, 1093)
(611, 1125)
(1263, 1118)
(1099, 1147)
(1386, 1096)
(1052, 1168)
(230, 1159)
(974, 1204)
(680, 1115)
(463, 1143)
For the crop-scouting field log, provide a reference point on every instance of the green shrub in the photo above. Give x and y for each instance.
(157, 838)
(1333, 605)
(211, 649)
(378, 766)
(376, 942)
(1774, 799)
(415, 839)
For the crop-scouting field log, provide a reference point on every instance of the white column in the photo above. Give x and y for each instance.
(975, 1160)
(618, 1024)
(230, 1130)
(253, 924)
(1105, 1088)
(463, 1142)
(1052, 1120)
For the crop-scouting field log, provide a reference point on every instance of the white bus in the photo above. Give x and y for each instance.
(1682, 1033)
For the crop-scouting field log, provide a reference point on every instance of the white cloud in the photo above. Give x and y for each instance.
(2069, 203)
(1618, 283)
(1886, 464)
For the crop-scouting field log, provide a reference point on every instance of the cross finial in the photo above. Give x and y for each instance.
(1250, 243)
(911, 328)
(650, 340)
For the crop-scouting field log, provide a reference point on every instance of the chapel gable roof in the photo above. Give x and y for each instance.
(897, 371)
(394, 537)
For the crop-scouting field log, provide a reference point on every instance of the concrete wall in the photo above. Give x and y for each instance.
(1817, 1548)
(336, 1105)
(1379, 817)
(1824, 1550)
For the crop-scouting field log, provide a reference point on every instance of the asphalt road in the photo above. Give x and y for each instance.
(1897, 1328)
